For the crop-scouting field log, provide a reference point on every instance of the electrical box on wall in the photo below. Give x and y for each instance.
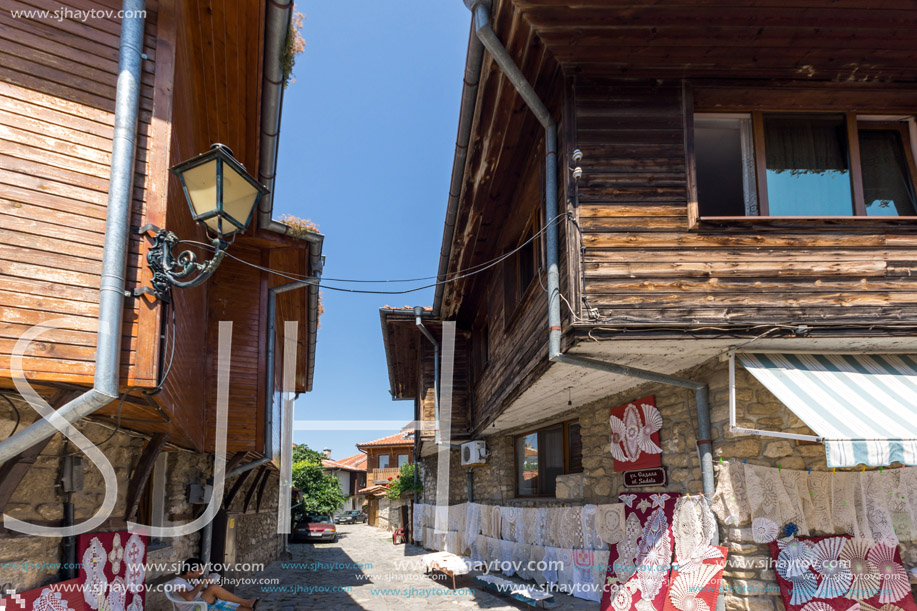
(474, 453)
(199, 494)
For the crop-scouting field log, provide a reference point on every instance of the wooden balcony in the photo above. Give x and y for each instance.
(381, 476)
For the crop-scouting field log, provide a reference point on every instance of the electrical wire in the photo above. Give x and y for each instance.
(457, 275)
(115, 431)
(18, 416)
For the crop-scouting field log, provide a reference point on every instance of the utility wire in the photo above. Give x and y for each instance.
(457, 275)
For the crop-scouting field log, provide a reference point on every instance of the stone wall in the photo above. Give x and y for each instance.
(38, 497)
(751, 583)
(389, 517)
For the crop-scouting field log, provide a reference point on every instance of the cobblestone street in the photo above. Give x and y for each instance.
(366, 563)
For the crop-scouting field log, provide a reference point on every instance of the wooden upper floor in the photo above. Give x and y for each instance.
(744, 169)
(201, 84)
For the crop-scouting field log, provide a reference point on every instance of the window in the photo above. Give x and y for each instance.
(803, 164)
(383, 462)
(522, 267)
(481, 348)
(402, 460)
(544, 454)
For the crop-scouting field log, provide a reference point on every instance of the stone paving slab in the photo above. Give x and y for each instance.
(363, 570)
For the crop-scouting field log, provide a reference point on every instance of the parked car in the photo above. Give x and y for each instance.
(353, 516)
(316, 527)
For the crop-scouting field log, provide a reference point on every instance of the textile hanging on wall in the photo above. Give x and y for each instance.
(591, 538)
(508, 517)
(635, 435)
(845, 493)
(797, 490)
(698, 589)
(877, 489)
(730, 501)
(818, 512)
(639, 565)
(113, 570)
(693, 527)
(61, 596)
(834, 573)
(609, 522)
(770, 504)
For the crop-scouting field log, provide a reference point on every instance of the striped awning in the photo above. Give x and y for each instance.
(864, 407)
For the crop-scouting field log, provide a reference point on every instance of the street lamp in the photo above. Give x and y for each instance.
(222, 197)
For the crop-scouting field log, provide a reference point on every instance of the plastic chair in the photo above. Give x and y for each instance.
(180, 604)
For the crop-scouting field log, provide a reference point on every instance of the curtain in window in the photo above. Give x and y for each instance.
(886, 182)
(807, 145)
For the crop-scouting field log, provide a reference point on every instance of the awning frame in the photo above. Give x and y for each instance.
(734, 428)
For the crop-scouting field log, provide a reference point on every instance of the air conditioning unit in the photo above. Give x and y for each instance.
(474, 453)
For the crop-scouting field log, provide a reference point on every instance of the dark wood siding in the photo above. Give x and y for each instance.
(645, 264)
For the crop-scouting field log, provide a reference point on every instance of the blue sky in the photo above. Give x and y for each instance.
(366, 150)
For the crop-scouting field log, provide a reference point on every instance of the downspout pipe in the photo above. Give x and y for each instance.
(418, 311)
(503, 59)
(114, 253)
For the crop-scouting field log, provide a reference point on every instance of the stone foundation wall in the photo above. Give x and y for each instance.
(751, 584)
(38, 498)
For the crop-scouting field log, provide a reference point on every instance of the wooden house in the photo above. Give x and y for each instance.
(209, 73)
(351, 472)
(727, 178)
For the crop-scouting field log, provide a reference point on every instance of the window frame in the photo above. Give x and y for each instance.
(854, 120)
(387, 461)
(564, 425)
(514, 294)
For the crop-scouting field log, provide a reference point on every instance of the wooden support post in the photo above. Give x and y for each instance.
(251, 490)
(142, 473)
(227, 501)
(267, 476)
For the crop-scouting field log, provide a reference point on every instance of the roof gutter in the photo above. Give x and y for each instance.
(473, 62)
(503, 59)
(277, 28)
(114, 254)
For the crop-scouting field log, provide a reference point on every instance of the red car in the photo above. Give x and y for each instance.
(315, 528)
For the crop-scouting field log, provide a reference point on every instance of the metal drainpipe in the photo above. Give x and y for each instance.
(114, 254)
(417, 313)
(493, 45)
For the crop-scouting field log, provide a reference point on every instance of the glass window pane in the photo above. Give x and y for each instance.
(724, 166)
(574, 448)
(527, 464)
(808, 172)
(886, 179)
(552, 458)
(383, 462)
(402, 460)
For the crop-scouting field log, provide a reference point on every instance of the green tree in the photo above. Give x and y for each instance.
(321, 491)
(403, 482)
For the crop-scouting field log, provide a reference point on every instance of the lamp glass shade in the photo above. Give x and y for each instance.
(239, 197)
(220, 193)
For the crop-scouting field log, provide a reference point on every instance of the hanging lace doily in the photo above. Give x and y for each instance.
(845, 493)
(632, 436)
(686, 588)
(730, 501)
(591, 538)
(628, 548)
(550, 567)
(537, 555)
(864, 576)
(767, 495)
(694, 527)
(134, 558)
(538, 537)
(609, 522)
(876, 492)
(893, 581)
(96, 583)
(794, 483)
(136, 603)
(117, 594)
(834, 572)
(521, 556)
(652, 567)
(49, 600)
(565, 568)
(818, 511)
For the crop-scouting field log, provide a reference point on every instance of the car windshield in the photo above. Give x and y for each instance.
(353, 513)
(315, 519)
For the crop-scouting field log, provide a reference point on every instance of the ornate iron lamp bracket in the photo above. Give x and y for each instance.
(170, 269)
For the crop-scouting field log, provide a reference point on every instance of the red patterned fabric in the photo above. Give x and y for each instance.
(635, 435)
(840, 573)
(699, 589)
(639, 565)
(62, 596)
(112, 570)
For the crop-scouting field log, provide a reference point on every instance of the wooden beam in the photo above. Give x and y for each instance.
(235, 461)
(13, 471)
(760, 163)
(227, 501)
(856, 167)
(267, 476)
(262, 472)
(142, 474)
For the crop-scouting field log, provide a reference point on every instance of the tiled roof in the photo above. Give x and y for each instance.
(398, 439)
(357, 462)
